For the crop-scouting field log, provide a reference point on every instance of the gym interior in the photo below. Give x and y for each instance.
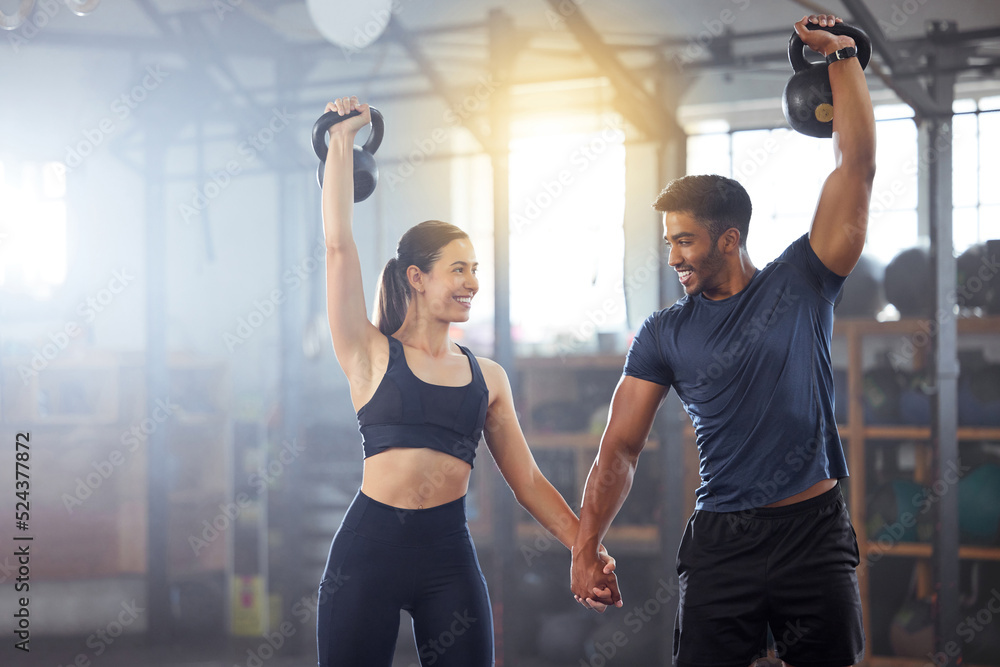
(171, 400)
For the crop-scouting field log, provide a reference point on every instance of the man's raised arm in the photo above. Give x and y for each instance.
(841, 221)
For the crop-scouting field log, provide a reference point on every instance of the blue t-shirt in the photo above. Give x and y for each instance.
(754, 374)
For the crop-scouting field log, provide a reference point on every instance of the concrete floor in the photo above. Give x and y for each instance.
(134, 651)
(142, 656)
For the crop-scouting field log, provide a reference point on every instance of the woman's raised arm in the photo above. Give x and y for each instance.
(354, 336)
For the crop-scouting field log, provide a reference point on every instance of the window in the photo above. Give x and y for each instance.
(32, 228)
(567, 242)
(976, 197)
(783, 172)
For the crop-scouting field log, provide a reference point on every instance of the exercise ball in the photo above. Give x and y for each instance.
(915, 398)
(882, 387)
(909, 283)
(979, 394)
(977, 283)
(862, 294)
(911, 633)
(979, 505)
(894, 513)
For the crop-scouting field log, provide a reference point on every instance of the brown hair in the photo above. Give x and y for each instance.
(420, 246)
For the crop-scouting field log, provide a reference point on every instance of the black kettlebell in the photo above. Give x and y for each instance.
(365, 169)
(808, 99)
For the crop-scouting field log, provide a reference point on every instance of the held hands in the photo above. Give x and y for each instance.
(349, 127)
(593, 581)
(822, 41)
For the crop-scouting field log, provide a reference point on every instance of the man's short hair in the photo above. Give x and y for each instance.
(717, 202)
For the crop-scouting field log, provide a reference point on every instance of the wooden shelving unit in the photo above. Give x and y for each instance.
(858, 436)
(90, 410)
(588, 381)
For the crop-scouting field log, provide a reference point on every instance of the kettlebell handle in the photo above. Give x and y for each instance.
(861, 40)
(331, 118)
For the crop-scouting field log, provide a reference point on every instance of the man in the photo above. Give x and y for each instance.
(748, 351)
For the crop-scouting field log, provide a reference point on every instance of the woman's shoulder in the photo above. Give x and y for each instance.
(488, 365)
(492, 371)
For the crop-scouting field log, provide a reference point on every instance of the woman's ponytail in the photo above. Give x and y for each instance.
(392, 301)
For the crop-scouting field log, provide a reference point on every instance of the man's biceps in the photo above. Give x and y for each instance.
(644, 394)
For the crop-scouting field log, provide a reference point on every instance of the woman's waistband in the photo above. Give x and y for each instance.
(371, 518)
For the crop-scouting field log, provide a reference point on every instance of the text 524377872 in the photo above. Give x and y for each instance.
(22, 541)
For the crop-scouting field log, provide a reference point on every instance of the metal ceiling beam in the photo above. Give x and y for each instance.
(863, 18)
(196, 46)
(397, 32)
(910, 91)
(637, 104)
(963, 37)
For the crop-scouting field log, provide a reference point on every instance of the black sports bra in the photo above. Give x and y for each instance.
(408, 412)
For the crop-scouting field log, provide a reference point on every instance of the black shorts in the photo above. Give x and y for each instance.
(789, 568)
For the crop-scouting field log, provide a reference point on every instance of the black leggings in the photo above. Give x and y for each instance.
(384, 559)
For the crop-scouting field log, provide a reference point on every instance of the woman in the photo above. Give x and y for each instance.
(422, 404)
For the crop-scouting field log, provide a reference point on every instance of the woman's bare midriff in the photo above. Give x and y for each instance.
(415, 477)
(817, 489)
